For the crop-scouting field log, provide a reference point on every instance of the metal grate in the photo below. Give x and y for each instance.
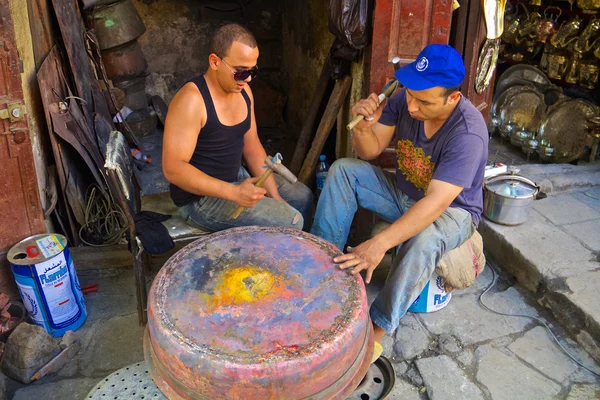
(132, 383)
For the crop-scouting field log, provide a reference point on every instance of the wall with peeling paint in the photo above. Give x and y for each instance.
(178, 33)
(293, 38)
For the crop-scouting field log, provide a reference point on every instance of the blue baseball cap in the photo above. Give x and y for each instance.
(436, 65)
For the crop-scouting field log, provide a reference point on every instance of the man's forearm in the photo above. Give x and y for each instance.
(365, 143)
(192, 180)
(422, 214)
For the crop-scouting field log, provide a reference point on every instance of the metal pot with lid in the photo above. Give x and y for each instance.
(508, 199)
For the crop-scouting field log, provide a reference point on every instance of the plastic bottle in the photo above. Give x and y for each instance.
(322, 170)
(137, 154)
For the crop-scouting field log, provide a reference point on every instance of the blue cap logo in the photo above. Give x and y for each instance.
(436, 65)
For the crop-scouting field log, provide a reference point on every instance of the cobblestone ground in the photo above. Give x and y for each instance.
(466, 352)
(460, 352)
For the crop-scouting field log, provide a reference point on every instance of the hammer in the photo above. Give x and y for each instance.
(273, 164)
(386, 92)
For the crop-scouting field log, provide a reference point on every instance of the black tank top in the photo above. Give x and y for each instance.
(218, 151)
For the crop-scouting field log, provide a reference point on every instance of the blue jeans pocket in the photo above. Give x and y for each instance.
(190, 210)
(454, 220)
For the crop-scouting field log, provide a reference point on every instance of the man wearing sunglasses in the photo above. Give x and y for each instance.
(210, 128)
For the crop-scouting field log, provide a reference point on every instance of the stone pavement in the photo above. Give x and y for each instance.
(556, 253)
(459, 352)
(111, 339)
(465, 352)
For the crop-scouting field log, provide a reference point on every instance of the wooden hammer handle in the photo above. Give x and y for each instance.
(259, 183)
(360, 117)
(355, 121)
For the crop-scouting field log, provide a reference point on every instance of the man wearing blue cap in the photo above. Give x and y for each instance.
(435, 201)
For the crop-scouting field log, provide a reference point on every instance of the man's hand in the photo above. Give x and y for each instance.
(247, 194)
(369, 108)
(366, 255)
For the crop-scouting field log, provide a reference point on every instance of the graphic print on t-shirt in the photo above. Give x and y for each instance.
(414, 164)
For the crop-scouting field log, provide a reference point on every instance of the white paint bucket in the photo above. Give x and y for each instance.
(46, 278)
(433, 297)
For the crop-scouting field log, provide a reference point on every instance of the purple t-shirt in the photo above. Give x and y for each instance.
(456, 154)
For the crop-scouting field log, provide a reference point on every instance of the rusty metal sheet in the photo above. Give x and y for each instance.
(110, 101)
(103, 128)
(258, 313)
(66, 128)
(83, 132)
(73, 34)
(52, 90)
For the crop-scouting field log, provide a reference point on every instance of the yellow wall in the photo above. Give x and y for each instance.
(35, 114)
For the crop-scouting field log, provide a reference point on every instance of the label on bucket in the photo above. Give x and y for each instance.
(50, 246)
(54, 280)
(433, 297)
(31, 303)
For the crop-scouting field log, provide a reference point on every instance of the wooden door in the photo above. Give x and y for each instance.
(21, 213)
(402, 28)
(469, 38)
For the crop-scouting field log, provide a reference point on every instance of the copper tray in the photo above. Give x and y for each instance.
(500, 98)
(521, 72)
(524, 107)
(566, 129)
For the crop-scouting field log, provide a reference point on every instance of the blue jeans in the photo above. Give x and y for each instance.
(352, 183)
(214, 214)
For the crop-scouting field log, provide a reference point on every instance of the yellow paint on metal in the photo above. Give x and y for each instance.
(244, 285)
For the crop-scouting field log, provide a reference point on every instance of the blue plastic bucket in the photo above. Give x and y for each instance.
(48, 284)
(433, 297)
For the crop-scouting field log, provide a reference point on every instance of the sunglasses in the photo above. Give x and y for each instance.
(242, 74)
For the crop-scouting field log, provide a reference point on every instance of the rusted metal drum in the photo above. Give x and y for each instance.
(116, 24)
(135, 93)
(257, 313)
(124, 62)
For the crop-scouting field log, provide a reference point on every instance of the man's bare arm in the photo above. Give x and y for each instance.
(186, 116)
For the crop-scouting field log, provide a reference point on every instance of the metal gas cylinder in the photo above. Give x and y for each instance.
(257, 313)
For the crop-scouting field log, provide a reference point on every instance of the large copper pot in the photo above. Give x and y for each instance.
(124, 62)
(116, 24)
(257, 313)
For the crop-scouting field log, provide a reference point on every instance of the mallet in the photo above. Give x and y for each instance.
(273, 164)
(386, 92)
